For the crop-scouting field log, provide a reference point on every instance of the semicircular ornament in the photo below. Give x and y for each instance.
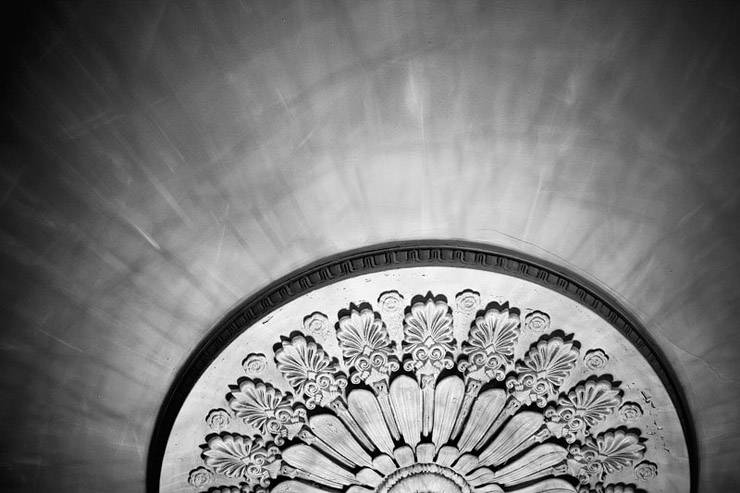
(491, 374)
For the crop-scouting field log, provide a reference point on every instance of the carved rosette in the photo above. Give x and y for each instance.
(390, 302)
(254, 364)
(645, 471)
(199, 477)
(630, 412)
(506, 418)
(218, 419)
(595, 359)
(537, 322)
(316, 323)
(468, 301)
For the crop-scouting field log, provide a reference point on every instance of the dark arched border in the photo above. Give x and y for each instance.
(395, 256)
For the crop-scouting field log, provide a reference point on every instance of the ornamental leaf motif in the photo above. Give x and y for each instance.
(310, 371)
(583, 407)
(543, 370)
(429, 338)
(608, 452)
(412, 430)
(366, 347)
(490, 345)
(237, 456)
(268, 410)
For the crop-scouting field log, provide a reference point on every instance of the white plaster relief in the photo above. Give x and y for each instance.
(430, 413)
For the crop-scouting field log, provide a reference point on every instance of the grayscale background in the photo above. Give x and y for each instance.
(161, 161)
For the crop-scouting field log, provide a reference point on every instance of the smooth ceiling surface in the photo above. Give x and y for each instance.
(162, 161)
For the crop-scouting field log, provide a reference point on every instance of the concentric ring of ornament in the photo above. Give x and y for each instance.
(475, 394)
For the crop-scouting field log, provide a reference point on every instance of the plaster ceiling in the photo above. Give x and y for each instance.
(161, 162)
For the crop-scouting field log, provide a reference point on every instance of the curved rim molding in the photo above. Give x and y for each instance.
(402, 255)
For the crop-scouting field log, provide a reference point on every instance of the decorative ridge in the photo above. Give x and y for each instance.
(404, 255)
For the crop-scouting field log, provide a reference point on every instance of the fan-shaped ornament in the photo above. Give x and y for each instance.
(438, 394)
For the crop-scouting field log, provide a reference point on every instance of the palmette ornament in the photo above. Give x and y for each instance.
(486, 414)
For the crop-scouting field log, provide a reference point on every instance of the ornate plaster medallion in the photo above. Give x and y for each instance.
(423, 376)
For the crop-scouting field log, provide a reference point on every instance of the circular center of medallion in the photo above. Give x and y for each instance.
(424, 478)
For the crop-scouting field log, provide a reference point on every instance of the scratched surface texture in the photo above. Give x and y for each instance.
(162, 161)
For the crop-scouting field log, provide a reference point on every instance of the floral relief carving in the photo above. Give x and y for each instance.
(254, 364)
(506, 419)
(310, 371)
(316, 323)
(247, 458)
(630, 412)
(645, 471)
(537, 321)
(200, 477)
(490, 345)
(583, 407)
(468, 301)
(268, 410)
(428, 338)
(366, 347)
(391, 302)
(543, 370)
(606, 453)
(218, 419)
(595, 359)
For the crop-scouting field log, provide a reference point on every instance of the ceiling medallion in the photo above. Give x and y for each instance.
(423, 377)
